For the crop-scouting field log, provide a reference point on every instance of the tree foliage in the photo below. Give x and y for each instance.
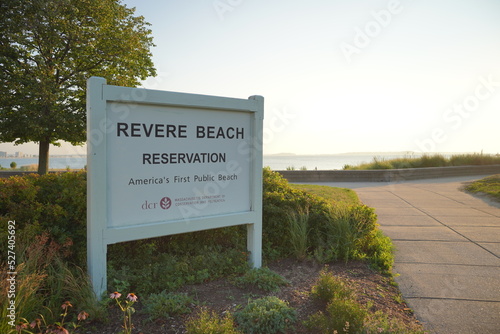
(49, 48)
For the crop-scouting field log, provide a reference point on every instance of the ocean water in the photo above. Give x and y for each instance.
(55, 162)
(326, 162)
(275, 162)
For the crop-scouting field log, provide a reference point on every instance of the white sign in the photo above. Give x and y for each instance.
(168, 163)
(162, 163)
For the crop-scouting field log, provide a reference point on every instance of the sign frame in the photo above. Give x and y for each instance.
(99, 234)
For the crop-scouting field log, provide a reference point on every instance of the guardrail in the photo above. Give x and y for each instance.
(386, 175)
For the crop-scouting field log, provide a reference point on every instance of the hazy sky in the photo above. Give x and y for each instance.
(341, 76)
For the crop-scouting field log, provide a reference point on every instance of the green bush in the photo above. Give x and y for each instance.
(279, 199)
(209, 322)
(335, 231)
(52, 203)
(164, 305)
(381, 250)
(330, 287)
(56, 204)
(148, 270)
(341, 315)
(262, 278)
(266, 315)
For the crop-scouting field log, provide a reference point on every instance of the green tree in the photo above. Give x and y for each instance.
(13, 165)
(48, 49)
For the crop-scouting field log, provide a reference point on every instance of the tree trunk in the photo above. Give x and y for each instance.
(43, 157)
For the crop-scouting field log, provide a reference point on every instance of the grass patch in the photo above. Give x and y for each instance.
(331, 194)
(209, 322)
(489, 185)
(164, 305)
(435, 160)
(262, 278)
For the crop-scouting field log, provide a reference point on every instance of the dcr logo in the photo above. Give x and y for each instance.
(165, 203)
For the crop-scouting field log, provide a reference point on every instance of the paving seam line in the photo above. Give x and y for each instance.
(448, 264)
(472, 241)
(457, 299)
(450, 198)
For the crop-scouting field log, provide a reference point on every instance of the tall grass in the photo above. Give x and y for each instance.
(435, 160)
(44, 281)
(298, 233)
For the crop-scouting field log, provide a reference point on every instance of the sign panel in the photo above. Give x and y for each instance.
(169, 163)
(162, 163)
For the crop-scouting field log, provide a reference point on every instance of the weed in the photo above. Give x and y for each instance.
(262, 278)
(164, 305)
(266, 315)
(341, 315)
(209, 322)
(379, 322)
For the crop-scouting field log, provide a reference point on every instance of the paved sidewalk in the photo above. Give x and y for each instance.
(447, 251)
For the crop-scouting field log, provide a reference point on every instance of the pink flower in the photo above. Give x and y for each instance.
(82, 315)
(65, 305)
(21, 325)
(36, 323)
(132, 297)
(115, 295)
(58, 330)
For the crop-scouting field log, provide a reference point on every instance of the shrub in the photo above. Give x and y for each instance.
(330, 287)
(148, 270)
(165, 305)
(341, 315)
(347, 233)
(335, 231)
(266, 315)
(381, 250)
(52, 203)
(279, 199)
(262, 278)
(209, 322)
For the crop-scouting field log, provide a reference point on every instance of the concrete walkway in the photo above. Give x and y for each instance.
(447, 250)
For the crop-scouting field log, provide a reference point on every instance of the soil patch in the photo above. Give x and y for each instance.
(222, 296)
